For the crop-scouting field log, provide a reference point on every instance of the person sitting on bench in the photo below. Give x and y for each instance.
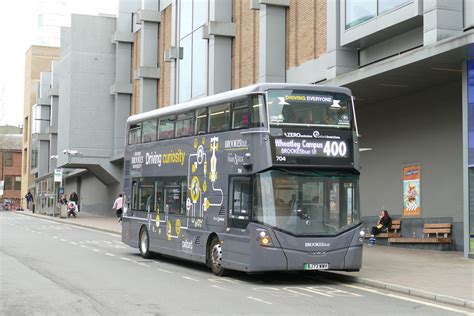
(385, 221)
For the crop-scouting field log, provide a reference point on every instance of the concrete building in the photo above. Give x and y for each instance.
(37, 59)
(406, 62)
(10, 163)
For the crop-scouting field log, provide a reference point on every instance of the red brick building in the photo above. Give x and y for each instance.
(10, 163)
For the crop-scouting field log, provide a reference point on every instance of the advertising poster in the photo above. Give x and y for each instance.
(411, 190)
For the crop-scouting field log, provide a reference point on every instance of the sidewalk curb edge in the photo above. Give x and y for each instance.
(445, 299)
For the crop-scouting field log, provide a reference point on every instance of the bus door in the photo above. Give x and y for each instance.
(240, 202)
(174, 198)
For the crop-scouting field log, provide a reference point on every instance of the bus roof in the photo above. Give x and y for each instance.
(229, 95)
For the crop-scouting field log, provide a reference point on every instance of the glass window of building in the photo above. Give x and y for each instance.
(185, 69)
(17, 185)
(8, 184)
(360, 11)
(219, 118)
(387, 5)
(8, 158)
(199, 66)
(192, 68)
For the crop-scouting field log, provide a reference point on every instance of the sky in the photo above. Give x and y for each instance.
(18, 26)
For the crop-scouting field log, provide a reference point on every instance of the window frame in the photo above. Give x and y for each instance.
(144, 123)
(239, 105)
(171, 132)
(131, 130)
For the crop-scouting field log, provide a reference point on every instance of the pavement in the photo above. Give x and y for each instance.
(443, 276)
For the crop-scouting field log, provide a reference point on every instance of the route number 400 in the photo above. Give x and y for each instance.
(335, 149)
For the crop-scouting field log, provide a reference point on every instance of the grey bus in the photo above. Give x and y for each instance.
(262, 178)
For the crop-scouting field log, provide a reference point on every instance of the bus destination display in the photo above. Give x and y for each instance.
(311, 147)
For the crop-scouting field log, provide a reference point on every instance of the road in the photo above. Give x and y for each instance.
(59, 269)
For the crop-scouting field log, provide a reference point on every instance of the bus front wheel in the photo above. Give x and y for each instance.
(144, 243)
(215, 257)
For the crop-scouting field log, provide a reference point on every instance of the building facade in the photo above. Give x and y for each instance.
(10, 163)
(37, 59)
(406, 62)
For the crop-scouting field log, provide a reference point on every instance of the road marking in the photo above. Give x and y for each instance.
(126, 259)
(218, 287)
(451, 309)
(163, 270)
(63, 239)
(109, 254)
(55, 237)
(107, 242)
(258, 300)
(189, 278)
(73, 243)
(143, 264)
(96, 250)
(83, 246)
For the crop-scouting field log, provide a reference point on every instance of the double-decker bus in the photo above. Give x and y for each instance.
(262, 178)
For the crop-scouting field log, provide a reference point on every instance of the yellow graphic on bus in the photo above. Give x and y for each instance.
(178, 227)
(204, 186)
(169, 230)
(157, 219)
(195, 189)
(196, 142)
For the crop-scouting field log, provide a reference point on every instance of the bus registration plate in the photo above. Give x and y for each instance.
(316, 266)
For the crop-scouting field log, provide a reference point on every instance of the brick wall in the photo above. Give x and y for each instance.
(165, 67)
(135, 105)
(14, 170)
(306, 31)
(245, 44)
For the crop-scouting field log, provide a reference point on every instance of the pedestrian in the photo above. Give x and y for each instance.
(385, 221)
(74, 198)
(29, 200)
(63, 199)
(118, 206)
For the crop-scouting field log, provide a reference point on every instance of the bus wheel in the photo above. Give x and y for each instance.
(144, 243)
(215, 257)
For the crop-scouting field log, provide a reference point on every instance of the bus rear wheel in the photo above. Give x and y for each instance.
(215, 257)
(144, 243)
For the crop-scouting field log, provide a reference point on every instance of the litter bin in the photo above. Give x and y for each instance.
(63, 211)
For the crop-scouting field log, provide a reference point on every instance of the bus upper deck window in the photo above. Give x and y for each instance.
(258, 111)
(240, 115)
(149, 131)
(201, 121)
(184, 124)
(166, 127)
(135, 134)
(219, 117)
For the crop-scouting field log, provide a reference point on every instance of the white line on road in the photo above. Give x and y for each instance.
(451, 309)
(73, 243)
(107, 242)
(126, 259)
(189, 278)
(96, 250)
(62, 239)
(218, 287)
(109, 254)
(143, 264)
(163, 270)
(258, 300)
(83, 246)
(55, 237)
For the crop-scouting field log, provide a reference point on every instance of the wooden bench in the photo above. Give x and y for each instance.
(432, 234)
(392, 232)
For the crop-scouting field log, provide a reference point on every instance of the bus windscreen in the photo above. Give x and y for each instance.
(309, 108)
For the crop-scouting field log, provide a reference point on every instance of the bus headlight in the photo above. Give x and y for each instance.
(264, 238)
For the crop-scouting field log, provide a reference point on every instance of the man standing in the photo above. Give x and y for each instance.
(118, 206)
(29, 200)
